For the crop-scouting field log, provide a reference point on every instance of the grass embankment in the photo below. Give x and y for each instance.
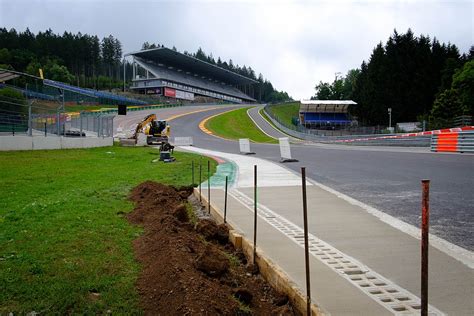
(285, 112)
(237, 124)
(65, 246)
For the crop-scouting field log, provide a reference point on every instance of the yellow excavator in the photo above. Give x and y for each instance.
(157, 131)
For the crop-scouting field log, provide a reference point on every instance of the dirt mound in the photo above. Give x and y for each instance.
(211, 231)
(212, 262)
(182, 274)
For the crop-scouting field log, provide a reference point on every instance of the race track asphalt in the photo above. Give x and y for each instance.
(388, 179)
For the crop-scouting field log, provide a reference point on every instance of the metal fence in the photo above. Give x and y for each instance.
(33, 118)
(302, 130)
(329, 136)
(462, 142)
(99, 124)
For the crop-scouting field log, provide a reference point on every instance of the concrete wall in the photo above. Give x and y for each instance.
(51, 142)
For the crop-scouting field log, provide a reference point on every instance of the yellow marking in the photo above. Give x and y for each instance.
(187, 113)
(41, 74)
(203, 128)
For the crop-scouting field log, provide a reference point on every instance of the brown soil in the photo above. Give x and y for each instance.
(185, 272)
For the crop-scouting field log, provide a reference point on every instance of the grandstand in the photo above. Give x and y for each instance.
(171, 74)
(325, 114)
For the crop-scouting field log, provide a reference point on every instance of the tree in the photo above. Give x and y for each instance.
(58, 73)
(323, 91)
(446, 107)
(11, 104)
(463, 82)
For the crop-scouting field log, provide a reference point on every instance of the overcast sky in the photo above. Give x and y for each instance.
(294, 44)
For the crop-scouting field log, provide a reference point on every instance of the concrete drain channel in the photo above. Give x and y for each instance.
(391, 296)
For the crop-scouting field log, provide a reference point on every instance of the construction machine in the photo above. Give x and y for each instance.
(157, 131)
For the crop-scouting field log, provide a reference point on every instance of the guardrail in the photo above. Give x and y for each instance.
(461, 142)
(361, 140)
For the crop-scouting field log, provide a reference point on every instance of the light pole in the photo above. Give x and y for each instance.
(390, 119)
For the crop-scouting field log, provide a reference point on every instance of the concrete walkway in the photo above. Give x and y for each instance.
(362, 262)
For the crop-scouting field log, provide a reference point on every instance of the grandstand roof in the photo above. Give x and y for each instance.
(325, 106)
(184, 62)
(6, 75)
(190, 80)
(328, 102)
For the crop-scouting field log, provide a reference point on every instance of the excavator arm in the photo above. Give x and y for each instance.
(148, 119)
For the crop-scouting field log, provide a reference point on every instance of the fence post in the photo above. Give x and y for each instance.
(225, 201)
(255, 213)
(80, 124)
(200, 179)
(30, 122)
(98, 126)
(209, 186)
(425, 223)
(192, 173)
(45, 129)
(306, 245)
(58, 124)
(13, 129)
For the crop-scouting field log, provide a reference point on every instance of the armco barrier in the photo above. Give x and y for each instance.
(462, 142)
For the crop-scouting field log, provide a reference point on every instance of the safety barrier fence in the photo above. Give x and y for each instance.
(462, 142)
(416, 139)
(99, 124)
(27, 117)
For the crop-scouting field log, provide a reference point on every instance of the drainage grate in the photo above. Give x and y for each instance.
(391, 296)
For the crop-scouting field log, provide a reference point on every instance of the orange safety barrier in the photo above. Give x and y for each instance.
(447, 142)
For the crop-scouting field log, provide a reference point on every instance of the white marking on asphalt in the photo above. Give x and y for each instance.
(258, 126)
(462, 255)
(269, 174)
(394, 298)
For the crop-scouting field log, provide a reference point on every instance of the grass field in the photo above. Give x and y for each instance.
(237, 124)
(285, 112)
(65, 246)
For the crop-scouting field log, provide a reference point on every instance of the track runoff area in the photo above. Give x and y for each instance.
(361, 259)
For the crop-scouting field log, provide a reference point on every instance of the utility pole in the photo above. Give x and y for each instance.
(390, 119)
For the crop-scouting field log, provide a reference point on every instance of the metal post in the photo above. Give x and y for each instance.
(13, 129)
(58, 124)
(45, 129)
(200, 179)
(63, 109)
(98, 126)
(192, 172)
(306, 245)
(124, 74)
(80, 123)
(30, 122)
(390, 118)
(255, 213)
(425, 222)
(225, 201)
(209, 186)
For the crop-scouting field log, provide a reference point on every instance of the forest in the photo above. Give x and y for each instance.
(418, 78)
(87, 61)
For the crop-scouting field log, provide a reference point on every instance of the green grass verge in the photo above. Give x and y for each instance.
(237, 124)
(63, 235)
(285, 112)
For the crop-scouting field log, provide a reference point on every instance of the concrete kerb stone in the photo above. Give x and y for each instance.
(270, 271)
